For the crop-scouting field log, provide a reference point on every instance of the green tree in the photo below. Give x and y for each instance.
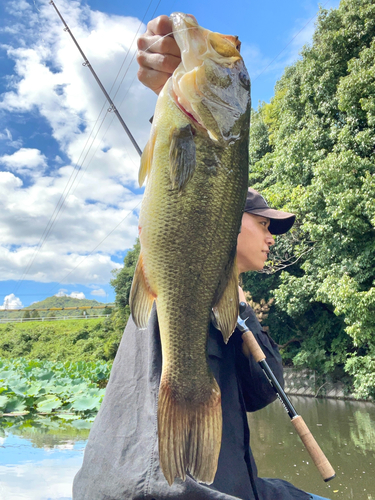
(26, 315)
(123, 277)
(122, 283)
(51, 316)
(316, 158)
(35, 314)
(107, 311)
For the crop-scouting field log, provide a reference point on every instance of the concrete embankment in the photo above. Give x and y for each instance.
(308, 383)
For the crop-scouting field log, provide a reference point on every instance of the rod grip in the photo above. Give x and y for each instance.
(319, 459)
(253, 346)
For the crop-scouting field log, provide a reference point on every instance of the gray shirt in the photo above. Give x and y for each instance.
(121, 456)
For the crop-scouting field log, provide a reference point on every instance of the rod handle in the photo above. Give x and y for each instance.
(320, 460)
(253, 346)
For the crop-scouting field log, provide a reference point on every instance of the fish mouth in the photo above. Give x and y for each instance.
(190, 40)
(208, 70)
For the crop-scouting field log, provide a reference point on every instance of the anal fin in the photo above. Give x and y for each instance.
(141, 297)
(226, 309)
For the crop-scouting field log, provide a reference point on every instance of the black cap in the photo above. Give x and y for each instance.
(280, 223)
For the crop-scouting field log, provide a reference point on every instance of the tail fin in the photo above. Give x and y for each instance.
(189, 436)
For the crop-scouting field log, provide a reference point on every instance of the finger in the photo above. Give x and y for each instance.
(165, 63)
(161, 25)
(155, 80)
(161, 45)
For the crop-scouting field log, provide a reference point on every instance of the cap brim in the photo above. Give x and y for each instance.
(280, 222)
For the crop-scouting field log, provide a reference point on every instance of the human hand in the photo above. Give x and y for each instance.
(158, 55)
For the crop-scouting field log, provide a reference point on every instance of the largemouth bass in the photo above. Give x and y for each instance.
(196, 162)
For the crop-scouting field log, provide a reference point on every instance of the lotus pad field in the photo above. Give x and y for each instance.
(65, 390)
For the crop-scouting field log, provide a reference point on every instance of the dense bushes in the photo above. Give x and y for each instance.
(81, 340)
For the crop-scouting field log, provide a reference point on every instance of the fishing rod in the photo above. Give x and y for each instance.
(87, 63)
(317, 455)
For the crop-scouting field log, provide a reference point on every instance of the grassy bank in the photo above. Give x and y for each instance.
(71, 340)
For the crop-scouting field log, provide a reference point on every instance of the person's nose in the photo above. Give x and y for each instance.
(270, 240)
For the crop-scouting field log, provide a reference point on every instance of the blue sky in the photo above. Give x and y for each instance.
(69, 198)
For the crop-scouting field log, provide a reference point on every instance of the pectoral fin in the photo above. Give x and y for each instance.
(146, 158)
(226, 309)
(182, 156)
(141, 296)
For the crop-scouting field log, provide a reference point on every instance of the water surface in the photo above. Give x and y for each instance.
(39, 459)
(345, 430)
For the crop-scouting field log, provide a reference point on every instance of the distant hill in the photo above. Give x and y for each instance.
(64, 302)
(58, 302)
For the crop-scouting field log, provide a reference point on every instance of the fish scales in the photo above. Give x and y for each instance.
(197, 177)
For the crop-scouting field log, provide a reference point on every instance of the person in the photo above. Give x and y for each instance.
(121, 456)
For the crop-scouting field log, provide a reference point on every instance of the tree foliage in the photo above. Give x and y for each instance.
(73, 340)
(122, 283)
(313, 153)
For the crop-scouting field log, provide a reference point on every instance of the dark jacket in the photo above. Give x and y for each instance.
(121, 456)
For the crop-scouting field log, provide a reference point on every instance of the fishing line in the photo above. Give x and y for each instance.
(123, 99)
(148, 48)
(274, 59)
(58, 206)
(132, 210)
(97, 246)
(64, 196)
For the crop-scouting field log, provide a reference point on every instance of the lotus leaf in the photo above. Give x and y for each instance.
(83, 403)
(18, 387)
(3, 401)
(34, 389)
(15, 404)
(81, 424)
(46, 386)
(48, 403)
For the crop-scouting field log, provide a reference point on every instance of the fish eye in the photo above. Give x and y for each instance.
(244, 79)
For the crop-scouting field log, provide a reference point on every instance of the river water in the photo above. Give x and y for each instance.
(38, 460)
(345, 430)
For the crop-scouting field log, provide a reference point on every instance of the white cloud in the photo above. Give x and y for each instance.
(24, 161)
(74, 295)
(51, 82)
(39, 479)
(99, 292)
(6, 136)
(11, 302)
(77, 295)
